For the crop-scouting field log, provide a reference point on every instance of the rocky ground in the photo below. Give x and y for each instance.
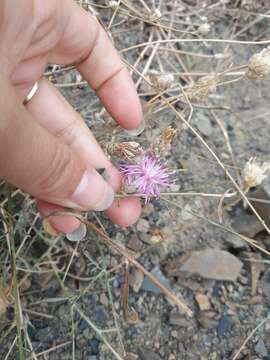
(212, 252)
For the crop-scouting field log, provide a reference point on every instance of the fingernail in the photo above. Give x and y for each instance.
(138, 130)
(49, 228)
(65, 224)
(93, 192)
(78, 234)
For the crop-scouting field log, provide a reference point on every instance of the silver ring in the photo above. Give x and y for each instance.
(31, 93)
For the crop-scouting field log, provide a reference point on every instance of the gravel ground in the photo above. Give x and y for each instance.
(72, 293)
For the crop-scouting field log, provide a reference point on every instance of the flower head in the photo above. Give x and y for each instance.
(254, 172)
(202, 88)
(204, 29)
(147, 175)
(259, 64)
(127, 150)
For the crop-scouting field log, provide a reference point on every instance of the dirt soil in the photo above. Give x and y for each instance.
(71, 293)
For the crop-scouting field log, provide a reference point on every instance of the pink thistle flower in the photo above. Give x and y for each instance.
(147, 175)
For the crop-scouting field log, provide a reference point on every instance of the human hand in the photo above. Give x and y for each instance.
(45, 147)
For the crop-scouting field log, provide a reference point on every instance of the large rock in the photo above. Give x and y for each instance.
(247, 225)
(213, 264)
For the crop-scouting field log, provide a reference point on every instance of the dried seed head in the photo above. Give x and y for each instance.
(202, 88)
(162, 145)
(204, 29)
(259, 64)
(126, 150)
(248, 4)
(157, 237)
(160, 80)
(254, 173)
(165, 81)
(113, 4)
(155, 15)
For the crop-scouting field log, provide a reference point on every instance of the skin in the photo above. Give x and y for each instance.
(45, 146)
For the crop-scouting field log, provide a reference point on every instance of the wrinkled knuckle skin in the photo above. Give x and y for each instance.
(96, 29)
(59, 175)
(69, 132)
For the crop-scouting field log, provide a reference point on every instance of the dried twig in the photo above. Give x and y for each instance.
(121, 250)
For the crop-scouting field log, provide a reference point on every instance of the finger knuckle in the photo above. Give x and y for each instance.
(68, 133)
(95, 29)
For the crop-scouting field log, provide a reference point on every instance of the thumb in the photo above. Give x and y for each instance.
(40, 164)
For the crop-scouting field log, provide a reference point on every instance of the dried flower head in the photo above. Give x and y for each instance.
(162, 145)
(202, 88)
(204, 29)
(160, 80)
(147, 175)
(157, 236)
(155, 15)
(248, 4)
(126, 150)
(113, 4)
(254, 173)
(259, 64)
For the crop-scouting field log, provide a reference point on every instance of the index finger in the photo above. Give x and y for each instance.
(100, 64)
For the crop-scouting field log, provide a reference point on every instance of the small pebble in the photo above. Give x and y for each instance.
(186, 213)
(143, 226)
(134, 243)
(136, 278)
(206, 320)
(147, 285)
(204, 124)
(148, 355)
(100, 314)
(178, 320)
(45, 334)
(260, 348)
(225, 324)
(94, 346)
(202, 301)
(175, 187)
(103, 299)
(247, 225)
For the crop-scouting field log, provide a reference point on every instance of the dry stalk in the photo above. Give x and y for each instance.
(238, 188)
(121, 250)
(249, 337)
